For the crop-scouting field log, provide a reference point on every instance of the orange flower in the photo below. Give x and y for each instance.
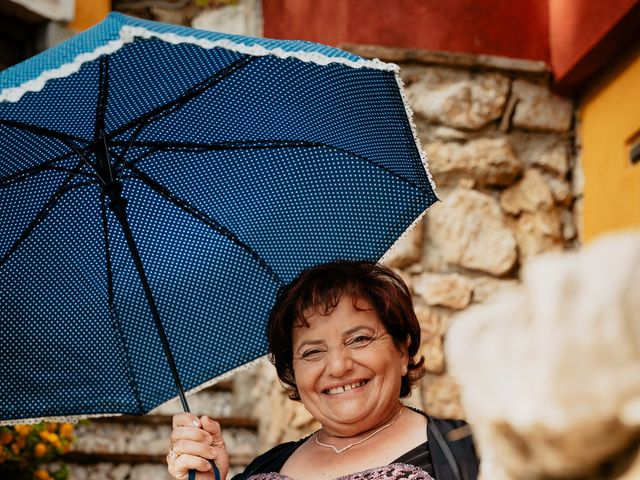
(15, 448)
(66, 430)
(51, 427)
(5, 437)
(21, 442)
(40, 449)
(41, 475)
(23, 430)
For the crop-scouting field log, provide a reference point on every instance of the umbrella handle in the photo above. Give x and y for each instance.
(216, 472)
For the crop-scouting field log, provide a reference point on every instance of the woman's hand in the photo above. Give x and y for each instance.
(195, 442)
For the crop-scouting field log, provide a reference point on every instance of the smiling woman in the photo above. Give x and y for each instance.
(344, 339)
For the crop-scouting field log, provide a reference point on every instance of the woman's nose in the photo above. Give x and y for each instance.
(339, 362)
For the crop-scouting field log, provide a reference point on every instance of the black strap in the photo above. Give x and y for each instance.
(445, 449)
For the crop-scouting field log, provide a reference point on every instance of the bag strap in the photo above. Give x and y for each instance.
(445, 449)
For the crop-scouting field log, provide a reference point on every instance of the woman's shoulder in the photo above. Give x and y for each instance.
(272, 460)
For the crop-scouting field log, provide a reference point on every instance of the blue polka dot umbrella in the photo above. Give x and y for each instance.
(159, 183)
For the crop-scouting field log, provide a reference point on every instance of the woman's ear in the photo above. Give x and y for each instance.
(404, 356)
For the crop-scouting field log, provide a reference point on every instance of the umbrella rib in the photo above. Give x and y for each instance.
(177, 103)
(251, 145)
(46, 132)
(42, 214)
(65, 138)
(36, 169)
(185, 97)
(101, 111)
(207, 220)
(221, 146)
(103, 94)
(374, 163)
(230, 145)
(113, 313)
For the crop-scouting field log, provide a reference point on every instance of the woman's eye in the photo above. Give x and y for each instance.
(311, 354)
(360, 340)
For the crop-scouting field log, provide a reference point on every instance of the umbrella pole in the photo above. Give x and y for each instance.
(117, 205)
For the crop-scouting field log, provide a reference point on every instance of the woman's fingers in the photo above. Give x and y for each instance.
(221, 456)
(180, 466)
(195, 442)
(191, 433)
(188, 447)
(215, 431)
(186, 420)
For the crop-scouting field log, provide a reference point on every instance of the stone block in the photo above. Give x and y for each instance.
(447, 290)
(529, 194)
(485, 287)
(537, 232)
(468, 229)
(487, 161)
(441, 396)
(547, 151)
(539, 109)
(560, 189)
(459, 99)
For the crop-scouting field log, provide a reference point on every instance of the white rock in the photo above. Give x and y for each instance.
(548, 370)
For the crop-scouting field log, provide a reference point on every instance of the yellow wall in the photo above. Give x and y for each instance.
(88, 13)
(609, 118)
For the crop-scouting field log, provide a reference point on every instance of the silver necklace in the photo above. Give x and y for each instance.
(340, 450)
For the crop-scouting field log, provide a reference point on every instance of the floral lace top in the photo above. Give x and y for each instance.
(393, 471)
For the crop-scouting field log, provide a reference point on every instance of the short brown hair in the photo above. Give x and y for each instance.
(320, 288)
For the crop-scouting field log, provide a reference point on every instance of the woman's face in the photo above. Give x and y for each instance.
(348, 369)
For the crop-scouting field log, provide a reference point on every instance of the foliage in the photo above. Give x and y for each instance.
(33, 451)
(215, 3)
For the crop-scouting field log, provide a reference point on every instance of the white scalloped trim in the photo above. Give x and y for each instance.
(65, 419)
(423, 155)
(77, 418)
(14, 94)
(129, 33)
(425, 164)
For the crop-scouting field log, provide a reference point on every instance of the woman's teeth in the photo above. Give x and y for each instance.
(345, 388)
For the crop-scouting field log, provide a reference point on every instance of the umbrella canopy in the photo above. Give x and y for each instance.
(203, 169)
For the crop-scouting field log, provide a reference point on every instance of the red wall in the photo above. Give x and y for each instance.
(511, 28)
(586, 34)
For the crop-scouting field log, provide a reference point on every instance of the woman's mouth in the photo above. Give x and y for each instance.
(345, 388)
